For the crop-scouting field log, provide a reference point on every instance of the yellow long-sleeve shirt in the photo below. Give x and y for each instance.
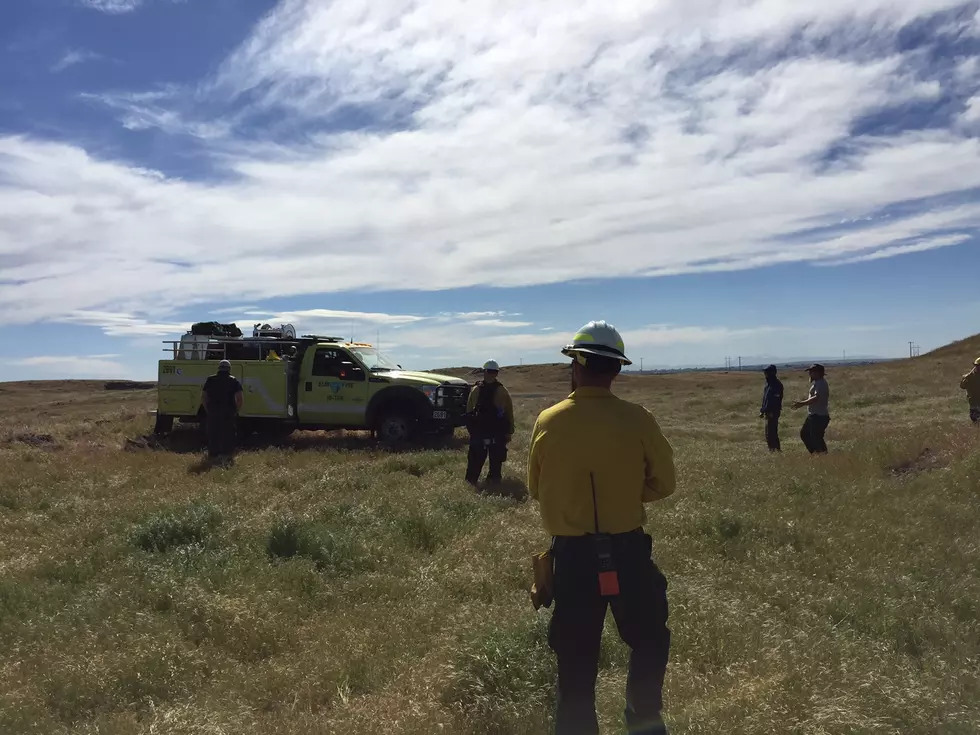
(971, 384)
(620, 443)
(501, 399)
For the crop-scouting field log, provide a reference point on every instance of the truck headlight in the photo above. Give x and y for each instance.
(430, 392)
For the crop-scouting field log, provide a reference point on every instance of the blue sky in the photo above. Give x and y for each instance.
(474, 180)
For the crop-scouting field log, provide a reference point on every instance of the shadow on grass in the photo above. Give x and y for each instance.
(207, 464)
(508, 487)
(193, 441)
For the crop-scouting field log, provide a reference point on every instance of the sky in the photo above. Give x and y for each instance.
(771, 179)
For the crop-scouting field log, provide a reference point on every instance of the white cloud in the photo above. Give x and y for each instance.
(72, 58)
(515, 145)
(972, 112)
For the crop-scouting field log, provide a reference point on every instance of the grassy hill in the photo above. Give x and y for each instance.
(324, 585)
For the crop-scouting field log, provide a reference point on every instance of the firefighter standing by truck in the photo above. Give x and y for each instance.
(490, 422)
(222, 398)
(594, 461)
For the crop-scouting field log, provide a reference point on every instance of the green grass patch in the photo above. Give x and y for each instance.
(195, 524)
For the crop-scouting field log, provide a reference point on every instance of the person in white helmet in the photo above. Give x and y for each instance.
(490, 421)
(594, 461)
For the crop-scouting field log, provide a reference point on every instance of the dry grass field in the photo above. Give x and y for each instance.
(324, 585)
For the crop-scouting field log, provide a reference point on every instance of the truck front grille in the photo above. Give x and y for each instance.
(452, 398)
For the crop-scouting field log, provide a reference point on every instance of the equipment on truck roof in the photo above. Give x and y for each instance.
(216, 329)
(283, 331)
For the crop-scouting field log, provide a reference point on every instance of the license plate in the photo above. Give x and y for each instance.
(440, 415)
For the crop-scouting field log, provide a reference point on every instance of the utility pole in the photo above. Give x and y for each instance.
(641, 366)
(740, 363)
(910, 349)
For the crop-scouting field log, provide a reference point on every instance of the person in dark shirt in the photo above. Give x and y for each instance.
(772, 406)
(490, 421)
(222, 400)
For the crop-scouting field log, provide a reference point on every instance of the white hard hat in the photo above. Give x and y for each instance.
(224, 365)
(490, 365)
(598, 338)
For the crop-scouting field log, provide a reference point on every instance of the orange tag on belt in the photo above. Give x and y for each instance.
(608, 583)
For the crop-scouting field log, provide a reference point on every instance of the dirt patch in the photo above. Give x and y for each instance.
(143, 442)
(927, 461)
(129, 385)
(31, 439)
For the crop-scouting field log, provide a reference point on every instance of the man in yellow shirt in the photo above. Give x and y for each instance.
(490, 421)
(595, 459)
(971, 384)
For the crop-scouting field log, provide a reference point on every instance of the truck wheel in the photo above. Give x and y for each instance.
(396, 426)
(164, 424)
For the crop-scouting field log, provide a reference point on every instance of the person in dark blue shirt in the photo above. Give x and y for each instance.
(772, 406)
(222, 400)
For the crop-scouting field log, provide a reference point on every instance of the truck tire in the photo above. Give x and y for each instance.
(397, 425)
(164, 424)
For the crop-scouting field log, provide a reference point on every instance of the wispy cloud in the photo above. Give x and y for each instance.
(920, 246)
(113, 7)
(375, 146)
(73, 366)
(499, 323)
(118, 7)
(72, 58)
(339, 317)
(459, 343)
(124, 325)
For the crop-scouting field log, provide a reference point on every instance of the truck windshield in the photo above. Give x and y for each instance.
(375, 360)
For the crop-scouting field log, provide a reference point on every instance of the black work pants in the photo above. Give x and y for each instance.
(575, 634)
(772, 432)
(478, 454)
(813, 432)
(221, 434)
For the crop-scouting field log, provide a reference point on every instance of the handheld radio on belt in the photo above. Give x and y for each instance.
(608, 578)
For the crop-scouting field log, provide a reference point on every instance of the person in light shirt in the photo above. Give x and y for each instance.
(818, 411)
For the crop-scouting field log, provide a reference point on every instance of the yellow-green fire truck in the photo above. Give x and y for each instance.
(311, 383)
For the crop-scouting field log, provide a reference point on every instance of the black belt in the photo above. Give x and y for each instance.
(625, 538)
